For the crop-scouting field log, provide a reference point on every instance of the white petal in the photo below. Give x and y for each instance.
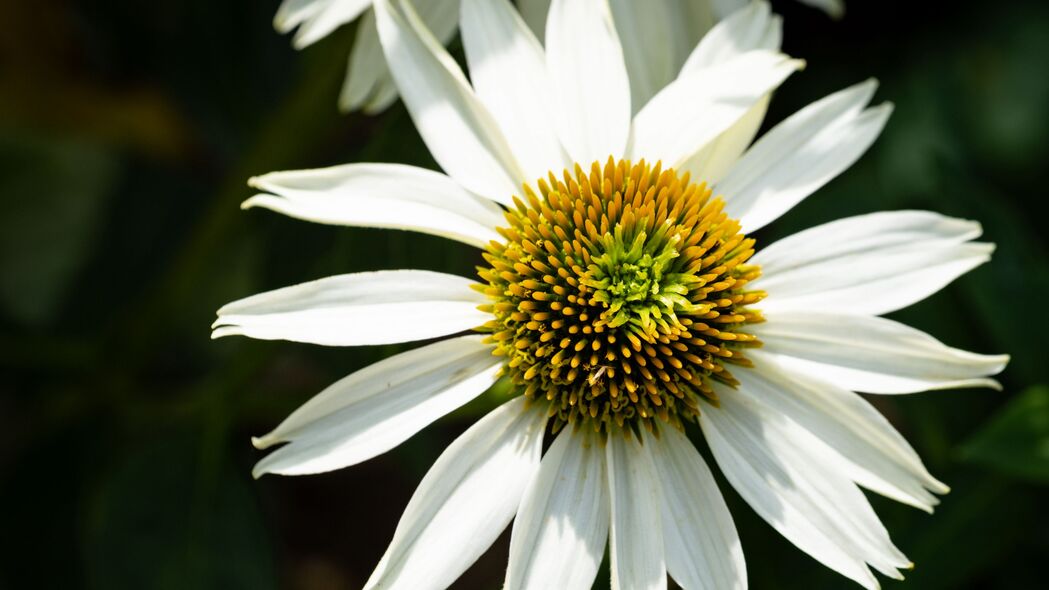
(368, 84)
(788, 477)
(293, 13)
(649, 55)
(465, 501)
(460, 132)
(694, 109)
(751, 28)
(871, 452)
(559, 534)
(801, 154)
(390, 196)
(590, 82)
(382, 307)
(872, 354)
(868, 264)
(713, 161)
(534, 13)
(379, 407)
(635, 535)
(508, 70)
(317, 19)
(702, 547)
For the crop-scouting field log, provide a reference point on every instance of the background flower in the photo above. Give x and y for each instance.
(127, 136)
(368, 85)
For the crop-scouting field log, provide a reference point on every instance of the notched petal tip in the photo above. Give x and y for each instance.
(259, 200)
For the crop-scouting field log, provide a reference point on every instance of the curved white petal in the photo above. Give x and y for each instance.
(751, 28)
(871, 354)
(465, 501)
(591, 87)
(368, 83)
(648, 53)
(508, 70)
(791, 480)
(391, 196)
(703, 551)
(871, 452)
(379, 407)
(801, 154)
(635, 536)
(316, 19)
(457, 128)
(714, 160)
(694, 109)
(868, 264)
(558, 537)
(382, 307)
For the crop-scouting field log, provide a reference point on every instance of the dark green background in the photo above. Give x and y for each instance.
(127, 131)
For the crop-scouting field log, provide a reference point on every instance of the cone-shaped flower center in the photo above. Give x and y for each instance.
(619, 294)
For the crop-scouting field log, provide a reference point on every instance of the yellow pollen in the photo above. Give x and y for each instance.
(619, 294)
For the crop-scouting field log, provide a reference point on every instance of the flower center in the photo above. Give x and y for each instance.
(619, 294)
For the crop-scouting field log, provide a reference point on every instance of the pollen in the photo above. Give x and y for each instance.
(619, 295)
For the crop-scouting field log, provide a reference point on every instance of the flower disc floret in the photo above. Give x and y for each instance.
(619, 294)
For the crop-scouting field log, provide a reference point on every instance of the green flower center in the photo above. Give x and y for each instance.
(619, 294)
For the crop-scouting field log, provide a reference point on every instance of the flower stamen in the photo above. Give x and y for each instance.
(619, 294)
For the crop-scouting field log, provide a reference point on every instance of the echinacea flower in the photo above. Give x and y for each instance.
(622, 298)
(368, 85)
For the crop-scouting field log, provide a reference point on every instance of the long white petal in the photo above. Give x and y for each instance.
(868, 264)
(801, 154)
(508, 70)
(693, 110)
(635, 539)
(460, 132)
(369, 85)
(316, 19)
(390, 196)
(751, 28)
(788, 477)
(379, 407)
(382, 307)
(591, 86)
(703, 551)
(558, 537)
(871, 452)
(650, 57)
(872, 354)
(714, 160)
(465, 501)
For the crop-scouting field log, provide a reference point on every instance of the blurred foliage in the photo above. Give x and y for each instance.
(127, 132)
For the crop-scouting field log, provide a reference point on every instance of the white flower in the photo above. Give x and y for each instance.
(623, 302)
(368, 85)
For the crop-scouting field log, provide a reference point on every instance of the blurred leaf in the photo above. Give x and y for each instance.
(54, 191)
(1016, 440)
(160, 520)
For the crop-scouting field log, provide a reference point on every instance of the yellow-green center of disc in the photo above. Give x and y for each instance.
(619, 294)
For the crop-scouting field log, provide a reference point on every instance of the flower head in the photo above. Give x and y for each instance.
(621, 295)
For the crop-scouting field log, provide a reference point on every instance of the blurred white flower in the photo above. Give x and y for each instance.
(368, 85)
(624, 302)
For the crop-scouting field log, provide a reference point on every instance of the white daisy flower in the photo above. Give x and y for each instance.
(368, 86)
(623, 300)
